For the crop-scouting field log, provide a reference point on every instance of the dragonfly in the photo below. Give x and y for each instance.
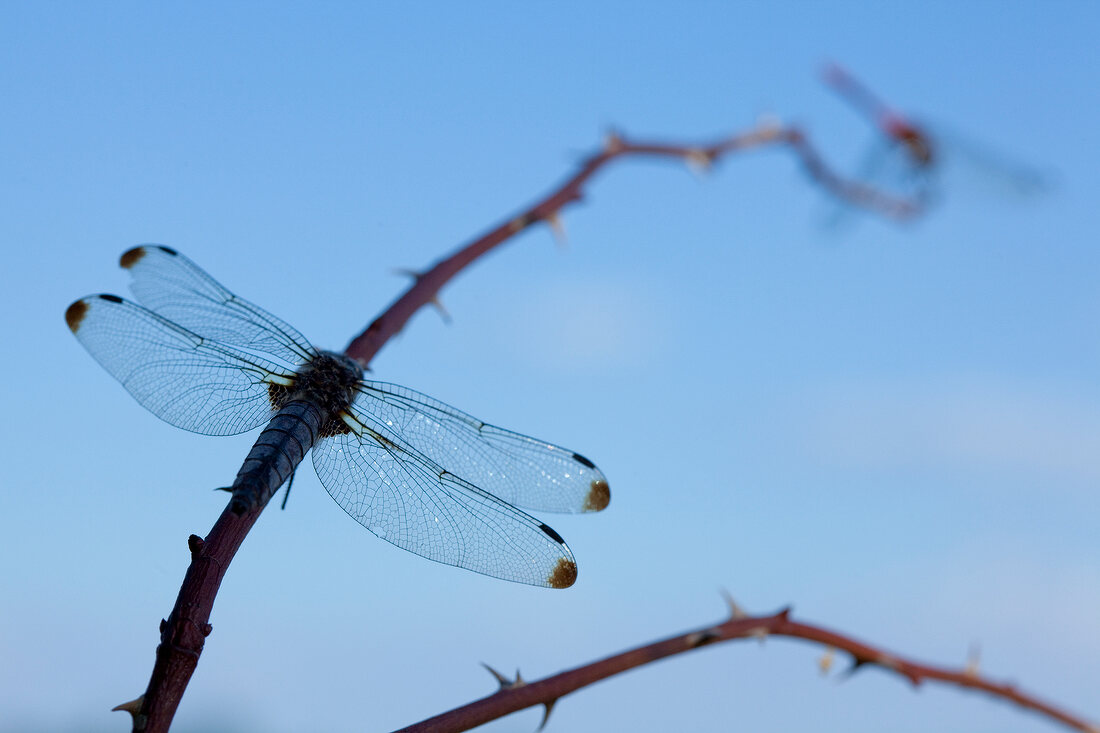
(414, 471)
(912, 156)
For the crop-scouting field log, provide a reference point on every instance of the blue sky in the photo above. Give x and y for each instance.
(894, 428)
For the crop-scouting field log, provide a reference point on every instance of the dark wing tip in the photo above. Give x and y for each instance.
(549, 532)
(564, 575)
(599, 496)
(75, 313)
(583, 461)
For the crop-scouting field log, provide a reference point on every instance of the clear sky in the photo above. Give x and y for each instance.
(895, 429)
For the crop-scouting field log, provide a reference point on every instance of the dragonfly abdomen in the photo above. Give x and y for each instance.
(277, 452)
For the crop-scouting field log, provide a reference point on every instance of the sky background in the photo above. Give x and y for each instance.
(896, 429)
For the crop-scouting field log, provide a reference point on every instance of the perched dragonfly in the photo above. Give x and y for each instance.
(412, 470)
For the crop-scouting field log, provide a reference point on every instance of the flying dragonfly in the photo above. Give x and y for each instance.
(414, 471)
(911, 157)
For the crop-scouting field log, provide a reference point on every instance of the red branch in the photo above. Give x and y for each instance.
(427, 285)
(184, 632)
(518, 694)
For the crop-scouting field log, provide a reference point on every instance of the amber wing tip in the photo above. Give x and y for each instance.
(564, 575)
(74, 314)
(131, 257)
(599, 496)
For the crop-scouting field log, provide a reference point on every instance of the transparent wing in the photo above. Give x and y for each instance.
(523, 471)
(886, 166)
(173, 286)
(186, 380)
(406, 499)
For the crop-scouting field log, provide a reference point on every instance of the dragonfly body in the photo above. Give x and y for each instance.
(309, 407)
(413, 470)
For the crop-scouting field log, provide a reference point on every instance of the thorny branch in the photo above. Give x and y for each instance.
(518, 694)
(427, 285)
(184, 632)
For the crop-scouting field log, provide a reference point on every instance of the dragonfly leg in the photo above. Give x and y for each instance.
(288, 485)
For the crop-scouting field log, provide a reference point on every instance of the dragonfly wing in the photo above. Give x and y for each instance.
(186, 380)
(405, 499)
(521, 470)
(173, 286)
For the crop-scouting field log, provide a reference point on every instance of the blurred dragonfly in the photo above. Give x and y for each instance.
(911, 157)
(412, 470)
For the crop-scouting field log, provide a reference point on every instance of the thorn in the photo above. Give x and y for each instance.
(438, 305)
(225, 488)
(557, 229)
(857, 663)
(973, 662)
(505, 683)
(499, 677)
(417, 277)
(546, 713)
(736, 612)
(826, 661)
(699, 161)
(612, 142)
(769, 123)
(133, 707)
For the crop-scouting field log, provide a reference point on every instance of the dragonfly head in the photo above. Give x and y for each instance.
(351, 365)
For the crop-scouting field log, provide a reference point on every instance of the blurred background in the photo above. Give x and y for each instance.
(895, 428)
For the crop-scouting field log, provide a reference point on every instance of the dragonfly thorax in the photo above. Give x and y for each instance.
(328, 382)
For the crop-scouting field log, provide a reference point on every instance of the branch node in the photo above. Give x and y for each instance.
(195, 545)
(521, 222)
(702, 638)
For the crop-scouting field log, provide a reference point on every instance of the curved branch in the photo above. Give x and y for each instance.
(518, 694)
(427, 285)
(184, 632)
